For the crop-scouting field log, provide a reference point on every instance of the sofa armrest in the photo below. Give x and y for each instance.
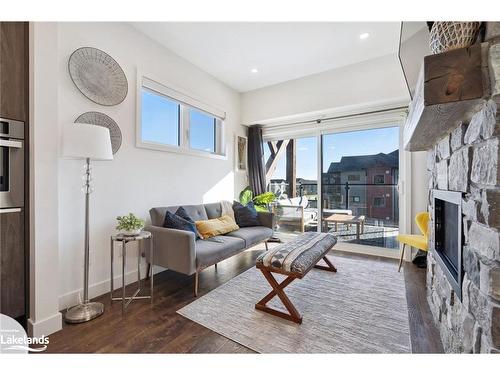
(266, 219)
(173, 249)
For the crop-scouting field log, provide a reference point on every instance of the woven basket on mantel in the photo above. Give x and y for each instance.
(446, 36)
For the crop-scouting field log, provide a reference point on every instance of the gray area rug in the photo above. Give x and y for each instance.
(360, 309)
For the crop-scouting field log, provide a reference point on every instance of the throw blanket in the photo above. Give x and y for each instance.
(227, 209)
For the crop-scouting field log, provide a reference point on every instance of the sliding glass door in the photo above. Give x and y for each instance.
(359, 186)
(292, 175)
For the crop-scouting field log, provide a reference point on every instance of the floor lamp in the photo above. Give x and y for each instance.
(87, 142)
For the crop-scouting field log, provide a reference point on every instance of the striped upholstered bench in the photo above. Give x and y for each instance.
(294, 260)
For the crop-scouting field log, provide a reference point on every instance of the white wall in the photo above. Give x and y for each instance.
(137, 179)
(44, 261)
(369, 83)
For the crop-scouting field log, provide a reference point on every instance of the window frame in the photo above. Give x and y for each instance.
(375, 179)
(186, 102)
(383, 202)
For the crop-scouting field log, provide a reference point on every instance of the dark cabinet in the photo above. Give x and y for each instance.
(14, 167)
(13, 70)
(12, 265)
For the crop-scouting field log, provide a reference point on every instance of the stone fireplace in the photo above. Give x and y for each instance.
(455, 117)
(466, 161)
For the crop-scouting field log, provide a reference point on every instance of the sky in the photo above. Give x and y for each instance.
(160, 123)
(363, 142)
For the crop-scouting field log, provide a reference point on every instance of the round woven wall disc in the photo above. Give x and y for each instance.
(98, 118)
(98, 76)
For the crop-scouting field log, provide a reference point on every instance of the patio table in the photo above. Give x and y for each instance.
(348, 220)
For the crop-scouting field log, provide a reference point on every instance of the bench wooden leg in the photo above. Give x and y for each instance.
(329, 267)
(292, 315)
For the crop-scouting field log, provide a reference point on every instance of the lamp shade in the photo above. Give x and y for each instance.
(81, 141)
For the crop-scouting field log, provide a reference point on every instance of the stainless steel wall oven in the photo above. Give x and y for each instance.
(11, 164)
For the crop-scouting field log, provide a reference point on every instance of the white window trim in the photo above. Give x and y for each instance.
(185, 100)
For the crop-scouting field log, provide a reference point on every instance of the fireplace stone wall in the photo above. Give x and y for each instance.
(466, 160)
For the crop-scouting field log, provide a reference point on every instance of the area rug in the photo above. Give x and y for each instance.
(360, 309)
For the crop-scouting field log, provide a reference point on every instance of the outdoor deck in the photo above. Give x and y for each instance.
(373, 235)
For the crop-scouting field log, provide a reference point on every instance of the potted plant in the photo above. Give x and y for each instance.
(261, 201)
(129, 225)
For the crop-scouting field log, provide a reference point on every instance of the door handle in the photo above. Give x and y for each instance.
(9, 210)
(14, 144)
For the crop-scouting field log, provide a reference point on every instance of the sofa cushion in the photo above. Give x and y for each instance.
(174, 221)
(196, 212)
(209, 252)
(215, 227)
(251, 235)
(246, 216)
(214, 210)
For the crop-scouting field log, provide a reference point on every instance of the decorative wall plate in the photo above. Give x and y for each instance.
(98, 76)
(98, 118)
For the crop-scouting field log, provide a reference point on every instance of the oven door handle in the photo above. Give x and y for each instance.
(14, 144)
(9, 210)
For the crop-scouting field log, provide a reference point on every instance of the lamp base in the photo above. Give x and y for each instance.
(84, 312)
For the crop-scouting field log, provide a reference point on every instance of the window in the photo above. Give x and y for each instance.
(160, 119)
(355, 199)
(353, 177)
(378, 201)
(202, 131)
(379, 179)
(169, 120)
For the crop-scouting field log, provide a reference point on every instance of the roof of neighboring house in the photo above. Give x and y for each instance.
(362, 162)
(305, 181)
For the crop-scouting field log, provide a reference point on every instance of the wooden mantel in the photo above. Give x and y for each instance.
(450, 88)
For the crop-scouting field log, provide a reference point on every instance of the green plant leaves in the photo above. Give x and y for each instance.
(129, 222)
(246, 196)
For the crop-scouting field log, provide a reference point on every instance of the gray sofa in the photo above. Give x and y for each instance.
(178, 250)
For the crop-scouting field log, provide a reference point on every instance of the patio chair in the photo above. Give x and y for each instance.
(294, 211)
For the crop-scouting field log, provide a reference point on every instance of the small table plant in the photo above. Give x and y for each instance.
(130, 225)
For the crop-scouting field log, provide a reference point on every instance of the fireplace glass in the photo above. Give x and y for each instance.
(448, 236)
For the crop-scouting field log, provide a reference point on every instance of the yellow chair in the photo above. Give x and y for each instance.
(416, 240)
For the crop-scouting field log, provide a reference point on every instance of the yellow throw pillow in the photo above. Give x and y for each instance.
(216, 227)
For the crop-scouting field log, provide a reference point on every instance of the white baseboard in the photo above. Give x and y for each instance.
(102, 287)
(45, 326)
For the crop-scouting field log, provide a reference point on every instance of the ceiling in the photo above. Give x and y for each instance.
(280, 51)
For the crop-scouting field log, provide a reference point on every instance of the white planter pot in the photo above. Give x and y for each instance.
(133, 232)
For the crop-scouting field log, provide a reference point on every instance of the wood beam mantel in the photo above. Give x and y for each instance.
(450, 87)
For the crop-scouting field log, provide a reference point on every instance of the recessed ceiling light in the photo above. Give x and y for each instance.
(254, 70)
(363, 36)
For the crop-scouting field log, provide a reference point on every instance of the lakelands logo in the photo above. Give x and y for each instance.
(13, 338)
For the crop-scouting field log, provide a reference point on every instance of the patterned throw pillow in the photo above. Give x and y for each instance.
(181, 211)
(174, 221)
(246, 216)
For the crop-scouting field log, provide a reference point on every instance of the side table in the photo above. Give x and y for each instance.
(124, 240)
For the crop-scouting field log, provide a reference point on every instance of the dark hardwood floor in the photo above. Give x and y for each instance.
(157, 328)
